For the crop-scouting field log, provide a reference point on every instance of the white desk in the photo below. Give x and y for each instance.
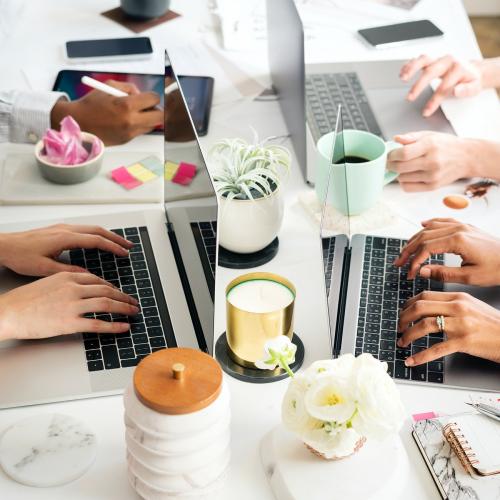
(35, 41)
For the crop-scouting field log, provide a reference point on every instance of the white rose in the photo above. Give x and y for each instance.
(380, 410)
(330, 398)
(293, 411)
(340, 366)
(333, 444)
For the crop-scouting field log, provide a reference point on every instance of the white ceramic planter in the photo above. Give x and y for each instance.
(247, 226)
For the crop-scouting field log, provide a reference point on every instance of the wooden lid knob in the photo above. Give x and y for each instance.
(178, 381)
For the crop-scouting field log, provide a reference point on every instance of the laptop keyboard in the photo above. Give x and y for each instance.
(133, 276)
(328, 254)
(324, 92)
(208, 233)
(384, 290)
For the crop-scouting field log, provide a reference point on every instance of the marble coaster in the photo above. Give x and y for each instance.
(47, 450)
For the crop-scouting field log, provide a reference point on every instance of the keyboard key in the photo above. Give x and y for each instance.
(386, 355)
(435, 366)
(110, 355)
(152, 321)
(390, 295)
(373, 308)
(391, 315)
(139, 265)
(157, 342)
(125, 271)
(127, 363)
(123, 262)
(129, 289)
(92, 263)
(155, 331)
(93, 354)
(142, 349)
(126, 353)
(379, 243)
(130, 231)
(401, 371)
(110, 275)
(107, 257)
(138, 318)
(94, 366)
(436, 378)
(147, 302)
(372, 318)
(150, 311)
(134, 238)
(137, 328)
(388, 334)
(140, 339)
(144, 283)
(89, 336)
(388, 345)
(106, 339)
(123, 342)
(421, 342)
(91, 344)
(372, 328)
(375, 289)
(403, 353)
(388, 325)
(119, 232)
(391, 305)
(127, 280)
(108, 266)
(134, 257)
(419, 373)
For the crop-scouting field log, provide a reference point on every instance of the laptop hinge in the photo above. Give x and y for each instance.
(339, 326)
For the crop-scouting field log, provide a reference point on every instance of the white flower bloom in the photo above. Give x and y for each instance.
(278, 352)
(380, 410)
(330, 398)
(293, 411)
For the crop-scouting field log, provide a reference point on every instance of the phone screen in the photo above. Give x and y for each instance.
(198, 90)
(109, 47)
(402, 32)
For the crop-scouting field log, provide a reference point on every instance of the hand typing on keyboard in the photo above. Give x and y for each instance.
(470, 326)
(480, 253)
(56, 305)
(36, 252)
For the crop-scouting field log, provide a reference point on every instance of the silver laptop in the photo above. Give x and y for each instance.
(171, 270)
(365, 292)
(373, 96)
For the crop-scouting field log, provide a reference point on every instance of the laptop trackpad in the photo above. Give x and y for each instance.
(39, 371)
(396, 115)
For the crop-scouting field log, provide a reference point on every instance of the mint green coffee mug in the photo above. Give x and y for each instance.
(365, 180)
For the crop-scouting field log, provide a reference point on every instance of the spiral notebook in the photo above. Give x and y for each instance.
(462, 453)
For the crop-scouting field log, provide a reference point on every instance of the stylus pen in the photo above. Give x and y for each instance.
(107, 89)
(487, 410)
(103, 87)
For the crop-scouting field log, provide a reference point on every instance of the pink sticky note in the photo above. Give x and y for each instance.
(424, 416)
(185, 174)
(121, 176)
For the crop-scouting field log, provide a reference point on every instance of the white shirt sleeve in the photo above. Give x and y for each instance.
(25, 115)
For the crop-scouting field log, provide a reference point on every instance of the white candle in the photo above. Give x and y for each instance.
(260, 296)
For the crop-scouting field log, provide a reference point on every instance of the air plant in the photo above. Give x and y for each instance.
(247, 171)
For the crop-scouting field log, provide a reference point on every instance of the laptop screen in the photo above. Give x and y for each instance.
(191, 210)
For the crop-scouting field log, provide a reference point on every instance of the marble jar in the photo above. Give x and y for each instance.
(182, 453)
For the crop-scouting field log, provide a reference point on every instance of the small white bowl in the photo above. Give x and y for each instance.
(70, 174)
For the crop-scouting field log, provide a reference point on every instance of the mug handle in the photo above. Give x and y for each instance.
(391, 176)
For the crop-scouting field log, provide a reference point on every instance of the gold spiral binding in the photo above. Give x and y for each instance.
(461, 447)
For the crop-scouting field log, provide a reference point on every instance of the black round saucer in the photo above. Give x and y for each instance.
(254, 375)
(234, 260)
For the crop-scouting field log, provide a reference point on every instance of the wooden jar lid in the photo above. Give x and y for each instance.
(177, 381)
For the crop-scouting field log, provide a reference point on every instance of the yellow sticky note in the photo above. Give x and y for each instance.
(141, 173)
(170, 170)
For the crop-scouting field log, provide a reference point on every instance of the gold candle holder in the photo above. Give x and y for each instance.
(248, 324)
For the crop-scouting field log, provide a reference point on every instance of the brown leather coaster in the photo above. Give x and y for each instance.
(135, 25)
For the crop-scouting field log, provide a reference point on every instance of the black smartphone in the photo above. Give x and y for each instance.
(114, 48)
(198, 90)
(399, 33)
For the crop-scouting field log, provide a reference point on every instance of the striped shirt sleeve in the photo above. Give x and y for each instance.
(25, 115)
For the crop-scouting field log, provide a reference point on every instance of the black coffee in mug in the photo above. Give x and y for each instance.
(351, 159)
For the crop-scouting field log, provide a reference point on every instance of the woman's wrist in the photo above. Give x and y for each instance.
(4, 248)
(482, 158)
(490, 72)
